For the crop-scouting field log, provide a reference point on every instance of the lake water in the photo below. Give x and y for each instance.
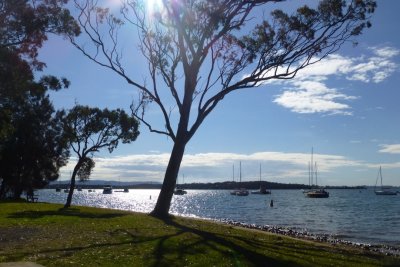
(353, 215)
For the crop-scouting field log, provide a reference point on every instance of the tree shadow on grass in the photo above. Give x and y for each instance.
(232, 251)
(75, 212)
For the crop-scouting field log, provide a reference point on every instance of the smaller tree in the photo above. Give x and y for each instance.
(91, 129)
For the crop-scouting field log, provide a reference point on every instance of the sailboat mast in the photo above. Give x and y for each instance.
(312, 166)
(233, 172)
(240, 171)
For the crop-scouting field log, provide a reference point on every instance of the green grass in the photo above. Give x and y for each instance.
(84, 236)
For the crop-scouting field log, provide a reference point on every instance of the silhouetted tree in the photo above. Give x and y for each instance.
(32, 145)
(91, 129)
(199, 51)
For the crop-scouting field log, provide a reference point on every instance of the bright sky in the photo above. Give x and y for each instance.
(346, 107)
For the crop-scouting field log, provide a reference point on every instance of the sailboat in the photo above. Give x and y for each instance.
(233, 192)
(263, 190)
(383, 191)
(241, 191)
(312, 171)
(180, 191)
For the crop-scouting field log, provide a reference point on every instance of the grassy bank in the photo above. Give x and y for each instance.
(84, 236)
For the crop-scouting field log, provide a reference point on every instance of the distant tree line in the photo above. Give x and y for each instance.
(253, 185)
(227, 185)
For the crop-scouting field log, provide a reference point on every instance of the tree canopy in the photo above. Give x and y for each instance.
(32, 144)
(25, 24)
(199, 51)
(91, 129)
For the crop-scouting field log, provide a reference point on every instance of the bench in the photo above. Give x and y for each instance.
(32, 198)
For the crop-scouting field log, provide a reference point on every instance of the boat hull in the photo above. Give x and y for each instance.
(261, 192)
(385, 193)
(317, 194)
(242, 192)
(107, 190)
(180, 192)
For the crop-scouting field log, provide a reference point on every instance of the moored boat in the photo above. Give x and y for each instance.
(263, 190)
(312, 172)
(179, 191)
(179, 188)
(383, 190)
(317, 193)
(240, 191)
(107, 189)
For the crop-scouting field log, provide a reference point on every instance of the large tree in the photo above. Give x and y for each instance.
(199, 51)
(32, 146)
(35, 150)
(91, 129)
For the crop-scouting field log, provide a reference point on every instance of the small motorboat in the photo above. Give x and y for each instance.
(107, 189)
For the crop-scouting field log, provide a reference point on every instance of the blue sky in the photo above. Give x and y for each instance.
(345, 107)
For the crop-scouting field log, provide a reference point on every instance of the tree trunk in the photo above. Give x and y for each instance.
(17, 192)
(182, 138)
(72, 185)
(167, 190)
(2, 189)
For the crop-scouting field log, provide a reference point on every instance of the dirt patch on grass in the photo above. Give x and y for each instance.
(11, 235)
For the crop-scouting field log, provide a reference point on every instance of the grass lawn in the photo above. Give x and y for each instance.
(84, 236)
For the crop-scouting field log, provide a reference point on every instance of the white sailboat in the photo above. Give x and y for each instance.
(241, 191)
(233, 192)
(180, 191)
(312, 171)
(382, 190)
(263, 190)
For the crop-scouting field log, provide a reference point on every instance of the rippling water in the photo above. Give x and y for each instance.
(353, 215)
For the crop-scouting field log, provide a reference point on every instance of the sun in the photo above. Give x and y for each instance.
(154, 6)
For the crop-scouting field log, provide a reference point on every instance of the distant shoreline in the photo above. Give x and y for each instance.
(228, 185)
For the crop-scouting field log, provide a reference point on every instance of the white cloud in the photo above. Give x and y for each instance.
(309, 92)
(314, 97)
(386, 52)
(391, 149)
(213, 167)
